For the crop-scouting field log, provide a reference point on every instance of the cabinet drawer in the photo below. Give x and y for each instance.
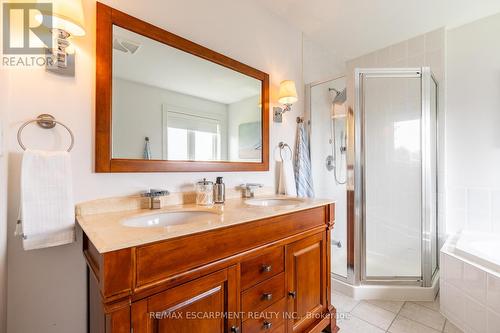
(263, 294)
(270, 320)
(262, 267)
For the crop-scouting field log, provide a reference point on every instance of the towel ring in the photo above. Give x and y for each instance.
(282, 147)
(45, 121)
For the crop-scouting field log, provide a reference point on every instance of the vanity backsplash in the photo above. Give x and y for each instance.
(135, 202)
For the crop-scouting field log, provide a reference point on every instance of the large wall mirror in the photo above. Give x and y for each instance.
(167, 104)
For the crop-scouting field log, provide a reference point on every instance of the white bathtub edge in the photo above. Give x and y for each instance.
(467, 297)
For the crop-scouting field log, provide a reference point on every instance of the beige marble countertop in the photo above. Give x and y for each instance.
(106, 231)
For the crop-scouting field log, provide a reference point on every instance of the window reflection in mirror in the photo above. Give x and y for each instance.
(189, 108)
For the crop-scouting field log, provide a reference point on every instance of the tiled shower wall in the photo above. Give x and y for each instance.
(473, 208)
(465, 62)
(472, 126)
(424, 50)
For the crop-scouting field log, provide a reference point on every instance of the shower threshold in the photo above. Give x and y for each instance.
(388, 292)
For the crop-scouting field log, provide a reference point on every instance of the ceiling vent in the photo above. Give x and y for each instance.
(125, 46)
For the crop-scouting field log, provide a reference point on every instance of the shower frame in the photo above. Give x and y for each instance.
(308, 97)
(356, 270)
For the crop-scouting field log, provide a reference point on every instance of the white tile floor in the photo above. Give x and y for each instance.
(389, 316)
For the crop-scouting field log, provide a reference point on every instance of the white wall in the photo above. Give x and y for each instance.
(47, 288)
(244, 111)
(3, 210)
(137, 113)
(472, 126)
(315, 66)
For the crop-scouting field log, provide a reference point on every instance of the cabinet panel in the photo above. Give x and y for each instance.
(306, 281)
(211, 300)
(197, 306)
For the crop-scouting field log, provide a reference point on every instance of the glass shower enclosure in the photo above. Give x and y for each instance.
(385, 145)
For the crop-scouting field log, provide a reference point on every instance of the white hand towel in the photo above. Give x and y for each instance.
(47, 206)
(286, 183)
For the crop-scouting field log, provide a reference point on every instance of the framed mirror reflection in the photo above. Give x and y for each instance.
(164, 103)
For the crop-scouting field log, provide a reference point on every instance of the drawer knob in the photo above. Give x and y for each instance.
(235, 329)
(267, 296)
(266, 268)
(292, 294)
(267, 325)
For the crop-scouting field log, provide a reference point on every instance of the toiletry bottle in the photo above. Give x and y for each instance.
(219, 191)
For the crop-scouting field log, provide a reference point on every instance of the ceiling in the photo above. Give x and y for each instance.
(351, 28)
(162, 66)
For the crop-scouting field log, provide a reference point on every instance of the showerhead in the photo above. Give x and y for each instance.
(340, 96)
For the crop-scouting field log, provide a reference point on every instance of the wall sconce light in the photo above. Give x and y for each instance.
(287, 96)
(67, 21)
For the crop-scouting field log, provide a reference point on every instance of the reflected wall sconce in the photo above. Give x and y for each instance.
(66, 18)
(287, 96)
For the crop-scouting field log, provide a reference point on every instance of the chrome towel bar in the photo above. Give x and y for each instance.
(45, 121)
(282, 145)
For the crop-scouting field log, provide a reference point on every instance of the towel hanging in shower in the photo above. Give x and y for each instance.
(303, 175)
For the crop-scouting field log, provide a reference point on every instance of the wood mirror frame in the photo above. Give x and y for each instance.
(107, 17)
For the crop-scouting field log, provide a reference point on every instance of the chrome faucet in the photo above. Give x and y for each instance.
(248, 190)
(154, 197)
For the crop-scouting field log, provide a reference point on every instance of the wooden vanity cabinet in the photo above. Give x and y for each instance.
(270, 275)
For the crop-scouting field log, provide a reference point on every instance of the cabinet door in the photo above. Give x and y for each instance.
(202, 305)
(306, 281)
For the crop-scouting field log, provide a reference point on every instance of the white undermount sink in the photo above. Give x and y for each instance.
(274, 202)
(164, 219)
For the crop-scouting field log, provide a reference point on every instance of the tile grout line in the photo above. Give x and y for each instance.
(439, 310)
(364, 320)
(418, 322)
(415, 321)
(397, 314)
(358, 302)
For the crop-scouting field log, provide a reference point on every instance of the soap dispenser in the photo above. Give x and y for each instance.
(219, 191)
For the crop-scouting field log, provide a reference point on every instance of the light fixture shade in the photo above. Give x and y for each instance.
(67, 15)
(288, 92)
